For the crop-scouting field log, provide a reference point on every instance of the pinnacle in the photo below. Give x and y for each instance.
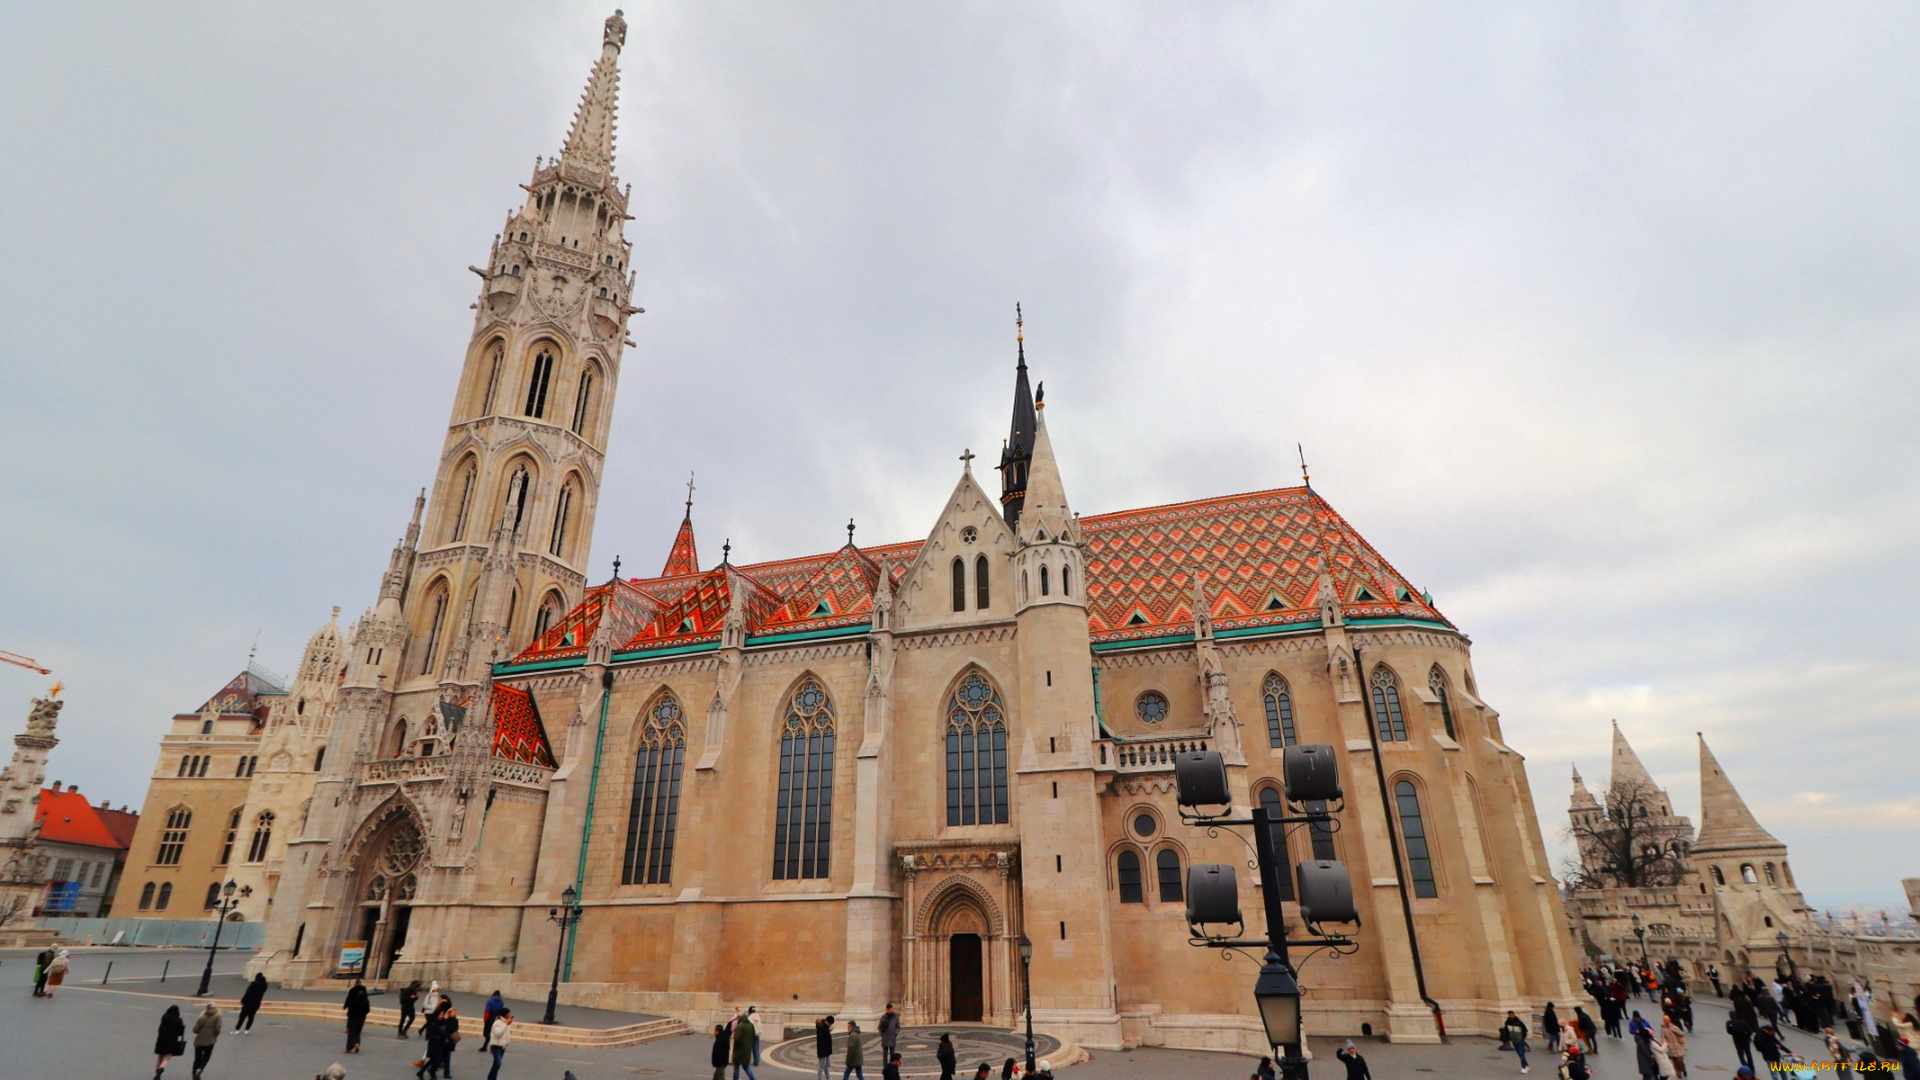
(1725, 821)
(590, 139)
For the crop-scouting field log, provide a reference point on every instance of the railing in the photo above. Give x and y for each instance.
(514, 772)
(406, 768)
(1154, 755)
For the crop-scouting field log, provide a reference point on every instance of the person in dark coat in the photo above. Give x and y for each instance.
(409, 995)
(1768, 1041)
(891, 1070)
(1515, 1032)
(357, 1007)
(1583, 1024)
(40, 964)
(442, 1030)
(495, 1006)
(1264, 1070)
(1742, 1036)
(172, 1040)
(889, 1033)
(823, 1047)
(250, 999)
(1550, 1028)
(721, 1044)
(945, 1056)
(745, 1035)
(1356, 1064)
(856, 1053)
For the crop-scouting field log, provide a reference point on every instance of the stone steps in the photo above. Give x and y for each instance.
(524, 1031)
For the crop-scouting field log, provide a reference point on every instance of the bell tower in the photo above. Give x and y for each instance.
(518, 483)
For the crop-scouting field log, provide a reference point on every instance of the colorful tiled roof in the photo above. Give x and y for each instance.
(67, 817)
(242, 696)
(1258, 555)
(518, 734)
(683, 559)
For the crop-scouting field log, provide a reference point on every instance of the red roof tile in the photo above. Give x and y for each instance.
(66, 817)
(518, 734)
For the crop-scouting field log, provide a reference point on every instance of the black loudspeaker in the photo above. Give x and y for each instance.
(1202, 779)
(1311, 773)
(1326, 893)
(1213, 896)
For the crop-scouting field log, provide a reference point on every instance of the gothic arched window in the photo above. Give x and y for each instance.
(1066, 581)
(1413, 832)
(173, 839)
(582, 402)
(1129, 875)
(803, 810)
(166, 894)
(469, 474)
(262, 837)
(493, 380)
(213, 896)
(1270, 802)
(982, 595)
(436, 625)
(537, 385)
(976, 754)
(543, 619)
(146, 896)
(1043, 579)
(1718, 877)
(1167, 868)
(655, 812)
(233, 833)
(562, 510)
(1437, 683)
(1771, 880)
(1279, 701)
(1747, 875)
(959, 584)
(1387, 717)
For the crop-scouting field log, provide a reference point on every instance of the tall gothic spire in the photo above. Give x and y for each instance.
(684, 558)
(1725, 822)
(1017, 455)
(590, 140)
(1626, 764)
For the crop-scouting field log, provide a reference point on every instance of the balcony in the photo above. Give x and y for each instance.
(1150, 755)
(407, 768)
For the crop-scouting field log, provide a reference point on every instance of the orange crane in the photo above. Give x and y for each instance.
(22, 661)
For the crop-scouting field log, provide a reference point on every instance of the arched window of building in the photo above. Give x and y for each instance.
(1413, 833)
(166, 894)
(436, 625)
(1718, 877)
(1270, 802)
(537, 385)
(959, 584)
(396, 739)
(469, 473)
(1771, 879)
(976, 754)
(213, 896)
(519, 486)
(803, 810)
(1066, 581)
(233, 833)
(262, 837)
(146, 896)
(1279, 701)
(982, 594)
(1747, 875)
(1387, 717)
(1167, 866)
(1129, 875)
(173, 839)
(654, 815)
(493, 378)
(1787, 872)
(1043, 579)
(1437, 683)
(549, 611)
(562, 510)
(582, 403)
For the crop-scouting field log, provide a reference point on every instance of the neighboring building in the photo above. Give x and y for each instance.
(893, 762)
(192, 826)
(1725, 897)
(85, 848)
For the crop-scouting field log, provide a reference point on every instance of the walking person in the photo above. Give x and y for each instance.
(1583, 1024)
(1356, 1064)
(856, 1053)
(56, 971)
(171, 1041)
(1264, 1070)
(891, 1070)
(250, 999)
(494, 1007)
(1550, 1028)
(1742, 1035)
(357, 1007)
(1515, 1033)
(889, 1032)
(409, 997)
(718, 1057)
(500, 1036)
(1676, 1042)
(1768, 1041)
(1836, 1049)
(1713, 976)
(753, 1010)
(40, 964)
(944, 1054)
(430, 1001)
(823, 1048)
(206, 1032)
(1009, 1070)
(744, 1038)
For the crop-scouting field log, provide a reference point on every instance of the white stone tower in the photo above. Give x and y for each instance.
(21, 876)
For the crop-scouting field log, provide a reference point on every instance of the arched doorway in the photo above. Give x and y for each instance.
(966, 989)
(386, 896)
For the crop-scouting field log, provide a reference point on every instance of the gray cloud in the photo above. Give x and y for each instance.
(1600, 323)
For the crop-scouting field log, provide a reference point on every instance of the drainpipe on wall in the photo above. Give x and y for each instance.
(593, 789)
(1393, 841)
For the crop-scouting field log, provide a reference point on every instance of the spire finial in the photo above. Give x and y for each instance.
(1019, 324)
(966, 459)
(689, 516)
(1304, 478)
(726, 552)
(849, 532)
(1040, 395)
(616, 568)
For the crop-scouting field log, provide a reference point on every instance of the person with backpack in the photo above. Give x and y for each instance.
(1742, 1036)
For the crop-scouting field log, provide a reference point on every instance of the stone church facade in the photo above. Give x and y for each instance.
(830, 782)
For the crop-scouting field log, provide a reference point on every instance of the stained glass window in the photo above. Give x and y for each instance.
(803, 809)
(655, 811)
(976, 754)
(1387, 718)
(1279, 700)
(1437, 683)
(1151, 707)
(537, 385)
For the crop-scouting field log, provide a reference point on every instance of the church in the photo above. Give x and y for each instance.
(839, 780)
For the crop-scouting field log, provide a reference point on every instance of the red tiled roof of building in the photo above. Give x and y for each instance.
(1258, 555)
(121, 823)
(66, 817)
(518, 734)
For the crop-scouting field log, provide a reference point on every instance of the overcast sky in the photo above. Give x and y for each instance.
(1600, 322)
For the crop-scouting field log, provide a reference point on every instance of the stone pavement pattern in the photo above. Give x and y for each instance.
(972, 1044)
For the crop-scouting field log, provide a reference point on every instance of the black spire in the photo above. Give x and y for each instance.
(1018, 452)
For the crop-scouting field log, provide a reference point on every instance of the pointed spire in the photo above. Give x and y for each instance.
(1626, 764)
(1725, 822)
(683, 558)
(590, 140)
(1582, 798)
(1045, 502)
(1016, 455)
(400, 564)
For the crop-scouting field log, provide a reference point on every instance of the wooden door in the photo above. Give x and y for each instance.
(966, 982)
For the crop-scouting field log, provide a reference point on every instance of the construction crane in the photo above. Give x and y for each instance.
(22, 661)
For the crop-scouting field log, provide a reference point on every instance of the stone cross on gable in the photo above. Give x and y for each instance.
(966, 459)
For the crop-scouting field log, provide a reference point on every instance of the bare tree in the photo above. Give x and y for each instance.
(15, 907)
(1631, 842)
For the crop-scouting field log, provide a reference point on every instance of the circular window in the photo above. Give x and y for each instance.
(1151, 707)
(1144, 825)
(969, 534)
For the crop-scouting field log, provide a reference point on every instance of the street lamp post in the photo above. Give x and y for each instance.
(567, 914)
(1026, 981)
(1781, 937)
(1640, 932)
(227, 903)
